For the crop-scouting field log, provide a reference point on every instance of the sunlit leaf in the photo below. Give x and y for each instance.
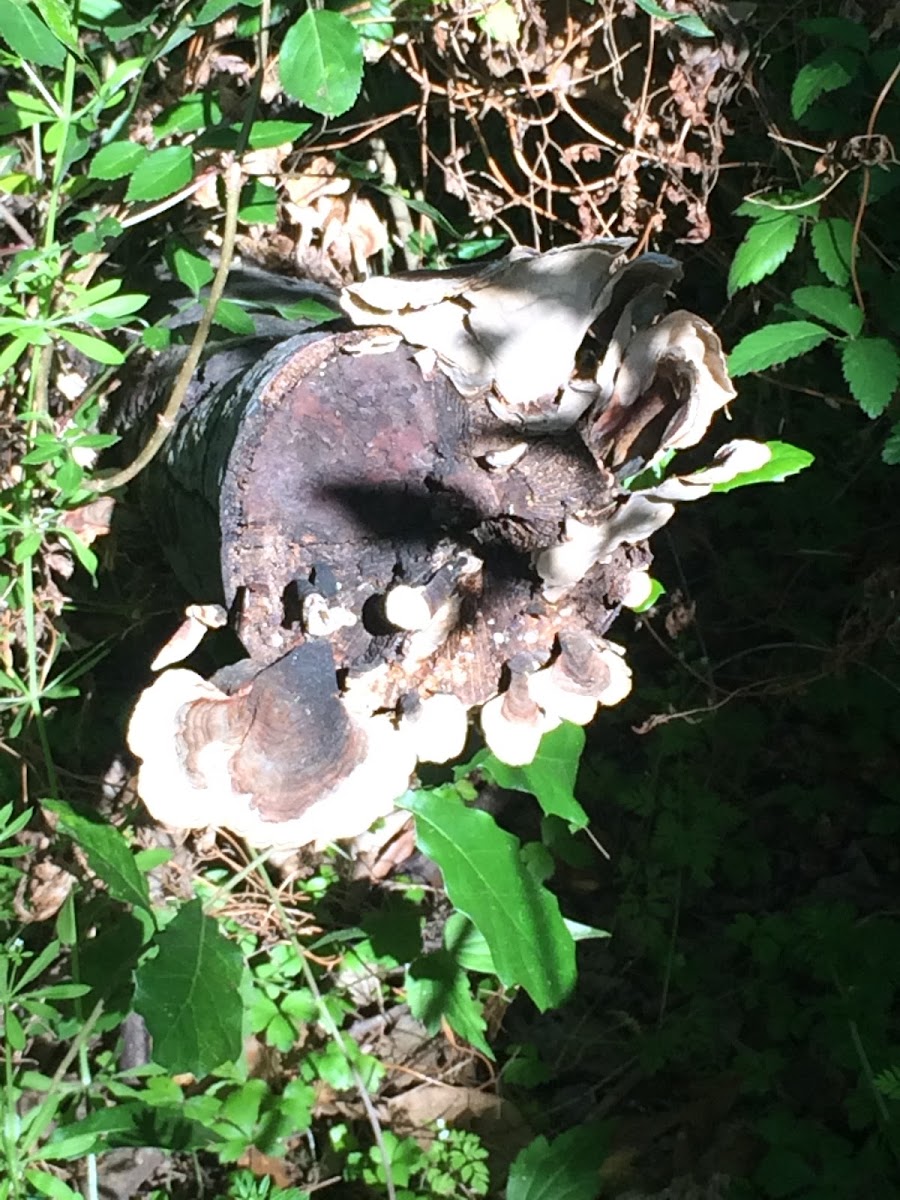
(487, 880)
(775, 344)
(116, 160)
(550, 777)
(766, 245)
(786, 460)
(872, 370)
(107, 852)
(832, 243)
(830, 71)
(832, 305)
(189, 995)
(321, 62)
(27, 35)
(161, 173)
(438, 989)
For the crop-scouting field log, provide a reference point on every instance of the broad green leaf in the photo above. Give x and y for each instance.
(550, 777)
(114, 309)
(321, 62)
(826, 73)
(192, 113)
(212, 10)
(58, 16)
(189, 995)
(233, 317)
(891, 452)
(832, 243)
(872, 370)
(832, 305)
(27, 35)
(568, 1168)
(27, 546)
(259, 204)
(194, 270)
(161, 173)
(80, 549)
(775, 344)
(470, 950)
(266, 134)
(487, 880)
(307, 310)
(107, 852)
(93, 347)
(688, 22)
(437, 989)
(786, 460)
(766, 245)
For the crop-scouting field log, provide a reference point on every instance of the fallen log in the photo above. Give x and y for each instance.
(415, 520)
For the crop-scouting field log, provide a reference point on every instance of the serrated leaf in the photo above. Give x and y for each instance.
(321, 62)
(891, 452)
(57, 14)
(233, 317)
(488, 882)
(27, 35)
(827, 73)
(775, 344)
(832, 243)
(872, 370)
(786, 460)
(766, 245)
(550, 777)
(830, 304)
(161, 173)
(688, 22)
(189, 995)
(93, 347)
(107, 852)
(568, 1168)
(116, 160)
(436, 990)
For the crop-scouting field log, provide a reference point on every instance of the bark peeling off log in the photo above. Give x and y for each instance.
(396, 551)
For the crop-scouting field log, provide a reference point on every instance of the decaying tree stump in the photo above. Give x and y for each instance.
(414, 521)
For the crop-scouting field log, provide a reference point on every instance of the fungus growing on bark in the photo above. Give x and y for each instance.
(400, 547)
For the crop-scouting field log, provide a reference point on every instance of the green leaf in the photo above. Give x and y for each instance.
(50, 1185)
(193, 112)
(80, 549)
(107, 852)
(194, 270)
(786, 460)
(469, 949)
(766, 245)
(841, 31)
(437, 989)
(161, 173)
(832, 243)
(58, 16)
(568, 1168)
(116, 160)
(872, 370)
(550, 777)
(27, 35)
(266, 134)
(27, 545)
(891, 452)
(688, 22)
(775, 344)
(830, 71)
(259, 204)
(233, 317)
(189, 995)
(307, 310)
(487, 880)
(321, 62)
(830, 304)
(212, 10)
(93, 347)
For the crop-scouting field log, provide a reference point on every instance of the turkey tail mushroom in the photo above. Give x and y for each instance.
(280, 762)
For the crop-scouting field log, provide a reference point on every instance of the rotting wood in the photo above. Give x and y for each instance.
(400, 539)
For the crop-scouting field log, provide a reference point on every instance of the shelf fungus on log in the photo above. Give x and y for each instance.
(413, 521)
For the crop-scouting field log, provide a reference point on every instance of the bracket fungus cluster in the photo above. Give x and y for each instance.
(422, 516)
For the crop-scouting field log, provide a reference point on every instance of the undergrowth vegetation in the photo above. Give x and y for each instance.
(665, 957)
